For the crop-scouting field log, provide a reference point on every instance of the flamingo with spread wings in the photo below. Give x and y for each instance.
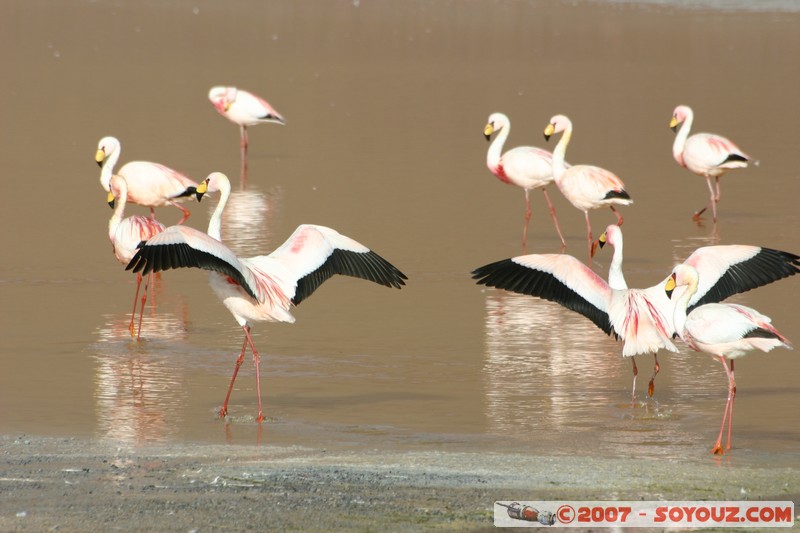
(149, 184)
(726, 331)
(262, 288)
(705, 154)
(585, 186)
(527, 167)
(642, 318)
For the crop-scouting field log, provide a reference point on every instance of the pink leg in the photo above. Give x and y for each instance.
(635, 373)
(260, 417)
(224, 410)
(712, 202)
(152, 213)
(243, 145)
(651, 388)
(717, 449)
(555, 219)
(147, 286)
(185, 211)
(620, 220)
(592, 244)
(135, 301)
(527, 221)
(732, 393)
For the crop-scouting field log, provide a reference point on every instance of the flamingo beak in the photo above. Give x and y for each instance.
(670, 286)
(673, 124)
(548, 132)
(100, 156)
(112, 201)
(602, 240)
(201, 189)
(488, 130)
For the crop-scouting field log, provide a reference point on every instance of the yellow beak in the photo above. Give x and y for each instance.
(111, 199)
(548, 132)
(669, 286)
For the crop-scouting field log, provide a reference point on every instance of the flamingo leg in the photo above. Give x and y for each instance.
(243, 146)
(553, 216)
(712, 202)
(651, 387)
(635, 373)
(727, 413)
(592, 245)
(148, 285)
(260, 417)
(527, 221)
(185, 211)
(620, 219)
(224, 410)
(135, 301)
(732, 392)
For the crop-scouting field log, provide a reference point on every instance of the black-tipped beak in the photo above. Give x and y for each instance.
(112, 203)
(547, 137)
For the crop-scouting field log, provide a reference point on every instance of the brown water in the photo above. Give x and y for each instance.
(385, 103)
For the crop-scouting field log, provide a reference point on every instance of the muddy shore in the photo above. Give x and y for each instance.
(68, 484)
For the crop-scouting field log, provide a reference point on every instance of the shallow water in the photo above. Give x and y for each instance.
(385, 103)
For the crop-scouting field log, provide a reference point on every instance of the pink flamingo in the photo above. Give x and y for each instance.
(726, 331)
(149, 184)
(705, 154)
(244, 109)
(262, 288)
(527, 167)
(642, 318)
(585, 186)
(125, 235)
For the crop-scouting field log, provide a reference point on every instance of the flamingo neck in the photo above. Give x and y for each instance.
(215, 223)
(119, 208)
(107, 170)
(680, 139)
(559, 154)
(616, 279)
(496, 148)
(679, 315)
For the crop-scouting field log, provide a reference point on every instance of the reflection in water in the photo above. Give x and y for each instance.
(545, 366)
(138, 394)
(247, 220)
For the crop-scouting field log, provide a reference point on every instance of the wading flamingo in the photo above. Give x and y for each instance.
(244, 109)
(705, 154)
(642, 318)
(585, 186)
(149, 184)
(262, 288)
(125, 235)
(726, 331)
(527, 167)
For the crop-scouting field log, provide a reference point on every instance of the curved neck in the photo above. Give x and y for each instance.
(616, 279)
(119, 207)
(680, 139)
(215, 223)
(679, 315)
(496, 148)
(107, 169)
(559, 154)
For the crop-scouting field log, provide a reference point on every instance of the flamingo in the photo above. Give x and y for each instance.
(262, 288)
(585, 186)
(149, 184)
(642, 318)
(705, 154)
(244, 109)
(726, 331)
(524, 166)
(126, 234)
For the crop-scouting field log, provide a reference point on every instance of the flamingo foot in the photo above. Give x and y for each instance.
(697, 216)
(651, 387)
(594, 248)
(223, 412)
(718, 449)
(132, 329)
(260, 418)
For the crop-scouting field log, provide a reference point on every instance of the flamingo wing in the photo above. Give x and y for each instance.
(185, 247)
(313, 254)
(726, 270)
(555, 277)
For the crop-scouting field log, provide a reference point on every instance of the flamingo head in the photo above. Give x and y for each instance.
(106, 147)
(678, 116)
(215, 182)
(496, 122)
(682, 275)
(222, 98)
(558, 123)
(612, 235)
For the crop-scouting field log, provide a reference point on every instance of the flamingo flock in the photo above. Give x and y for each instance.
(686, 305)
